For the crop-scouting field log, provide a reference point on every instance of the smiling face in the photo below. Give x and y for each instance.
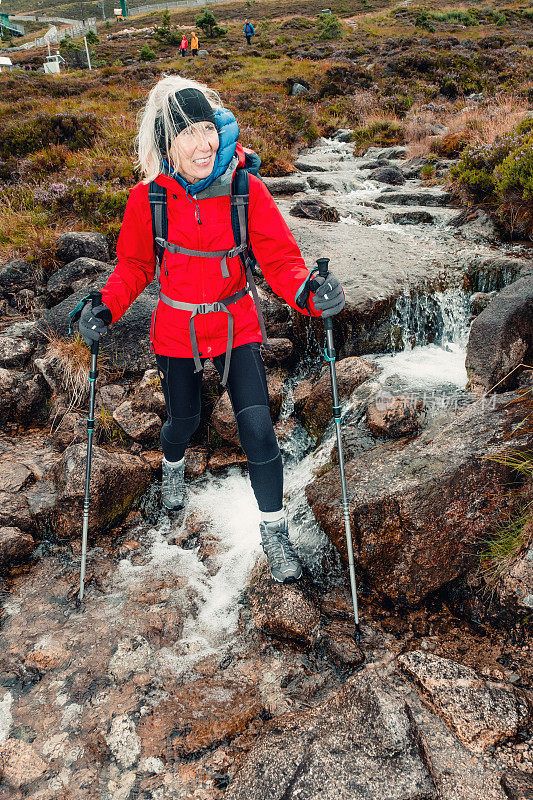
(196, 148)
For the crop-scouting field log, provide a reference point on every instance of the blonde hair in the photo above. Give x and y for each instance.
(158, 105)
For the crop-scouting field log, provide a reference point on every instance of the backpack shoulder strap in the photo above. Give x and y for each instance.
(157, 197)
(240, 198)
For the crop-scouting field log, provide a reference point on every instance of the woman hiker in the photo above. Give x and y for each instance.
(188, 144)
(183, 45)
(194, 44)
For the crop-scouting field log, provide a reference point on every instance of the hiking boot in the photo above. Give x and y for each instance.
(173, 489)
(283, 561)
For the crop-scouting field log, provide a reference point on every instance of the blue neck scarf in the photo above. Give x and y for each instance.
(228, 134)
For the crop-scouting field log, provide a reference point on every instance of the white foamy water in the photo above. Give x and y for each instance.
(425, 367)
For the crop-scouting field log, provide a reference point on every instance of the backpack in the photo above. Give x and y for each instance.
(239, 195)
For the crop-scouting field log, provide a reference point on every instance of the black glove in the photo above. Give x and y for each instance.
(328, 295)
(94, 319)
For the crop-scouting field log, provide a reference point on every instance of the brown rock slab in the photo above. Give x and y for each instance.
(143, 426)
(15, 511)
(518, 785)
(111, 396)
(197, 716)
(480, 713)
(20, 765)
(301, 394)
(196, 459)
(341, 645)
(351, 372)
(360, 744)
(224, 458)
(15, 546)
(315, 208)
(395, 416)
(14, 476)
(117, 480)
(154, 458)
(48, 658)
(283, 610)
(418, 507)
(279, 351)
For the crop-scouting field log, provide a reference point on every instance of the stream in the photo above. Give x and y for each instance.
(166, 607)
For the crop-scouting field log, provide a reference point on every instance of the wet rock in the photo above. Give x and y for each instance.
(70, 428)
(415, 198)
(302, 392)
(343, 135)
(477, 226)
(223, 418)
(458, 773)
(197, 716)
(515, 583)
(15, 546)
(286, 611)
(20, 764)
(351, 372)
(412, 218)
(80, 244)
(490, 273)
(123, 741)
(391, 175)
(419, 507)
(322, 184)
(480, 713)
(380, 153)
(280, 351)
(17, 275)
(501, 338)
(22, 396)
(355, 440)
(291, 184)
(315, 208)
(148, 395)
(65, 281)
(15, 351)
(277, 314)
(395, 416)
(118, 479)
(479, 301)
(342, 648)
(111, 396)
(196, 459)
(127, 342)
(225, 457)
(15, 476)
(143, 426)
(14, 510)
(360, 744)
(518, 785)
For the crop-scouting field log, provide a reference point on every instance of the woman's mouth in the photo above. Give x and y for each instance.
(201, 162)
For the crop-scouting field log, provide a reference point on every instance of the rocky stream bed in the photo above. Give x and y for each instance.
(188, 674)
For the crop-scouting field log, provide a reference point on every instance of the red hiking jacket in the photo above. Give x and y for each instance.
(203, 224)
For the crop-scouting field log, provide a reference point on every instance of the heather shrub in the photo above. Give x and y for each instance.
(29, 135)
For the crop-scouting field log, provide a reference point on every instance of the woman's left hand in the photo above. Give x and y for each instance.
(329, 296)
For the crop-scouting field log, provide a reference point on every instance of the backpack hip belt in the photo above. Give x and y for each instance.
(208, 308)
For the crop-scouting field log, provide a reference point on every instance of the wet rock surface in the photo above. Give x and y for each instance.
(361, 743)
(84, 244)
(480, 713)
(501, 338)
(419, 508)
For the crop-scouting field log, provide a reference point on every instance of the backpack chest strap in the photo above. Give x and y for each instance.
(222, 254)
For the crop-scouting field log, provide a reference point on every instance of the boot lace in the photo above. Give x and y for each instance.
(173, 480)
(277, 547)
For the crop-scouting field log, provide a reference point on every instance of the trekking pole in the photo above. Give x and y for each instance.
(90, 430)
(329, 353)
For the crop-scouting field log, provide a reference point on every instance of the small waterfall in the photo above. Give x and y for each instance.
(441, 318)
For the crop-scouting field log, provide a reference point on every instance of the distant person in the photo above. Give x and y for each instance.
(183, 45)
(194, 44)
(249, 31)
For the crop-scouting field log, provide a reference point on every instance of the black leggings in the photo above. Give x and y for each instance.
(248, 392)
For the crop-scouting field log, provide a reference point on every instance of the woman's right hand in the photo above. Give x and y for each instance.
(94, 319)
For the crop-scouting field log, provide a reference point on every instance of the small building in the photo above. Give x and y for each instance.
(53, 63)
(5, 63)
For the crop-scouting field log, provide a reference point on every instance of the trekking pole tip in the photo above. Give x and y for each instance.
(358, 634)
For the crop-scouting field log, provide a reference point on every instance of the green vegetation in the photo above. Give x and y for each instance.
(329, 27)
(207, 22)
(500, 177)
(147, 54)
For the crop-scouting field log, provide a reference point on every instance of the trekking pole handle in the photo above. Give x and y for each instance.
(323, 271)
(323, 267)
